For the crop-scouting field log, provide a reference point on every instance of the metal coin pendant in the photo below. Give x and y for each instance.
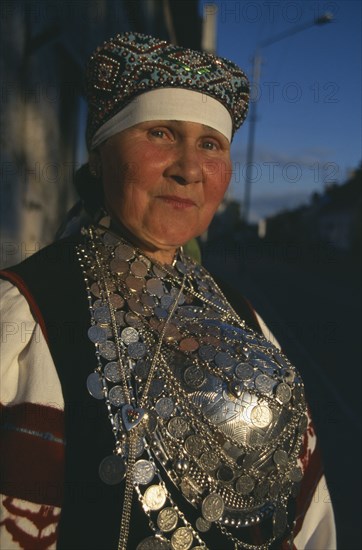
(202, 525)
(133, 320)
(194, 376)
(110, 239)
(112, 371)
(209, 461)
(129, 335)
(178, 427)
(261, 416)
(108, 350)
(136, 350)
(189, 344)
(164, 407)
(116, 300)
(181, 267)
(112, 469)
(119, 266)
(212, 507)
(156, 387)
(116, 396)
(166, 301)
(194, 445)
(124, 252)
(102, 314)
(244, 485)
(281, 457)
(207, 352)
(244, 371)
(223, 360)
(167, 519)
(135, 284)
(264, 384)
(148, 300)
(172, 333)
(296, 474)
(283, 393)
(139, 269)
(97, 334)
(135, 305)
(182, 539)
(160, 313)
(154, 497)
(95, 290)
(155, 287)
(94, 386)
(144, 472)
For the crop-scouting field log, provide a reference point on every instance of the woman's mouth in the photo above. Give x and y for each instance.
(177, 202)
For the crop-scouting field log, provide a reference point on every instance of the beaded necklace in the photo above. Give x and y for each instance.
(191, 393)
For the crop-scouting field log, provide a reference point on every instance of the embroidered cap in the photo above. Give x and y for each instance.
(132, 64)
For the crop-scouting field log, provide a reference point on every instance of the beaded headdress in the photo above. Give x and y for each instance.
(131, 64)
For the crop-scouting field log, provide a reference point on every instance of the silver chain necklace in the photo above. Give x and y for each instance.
(166, 309)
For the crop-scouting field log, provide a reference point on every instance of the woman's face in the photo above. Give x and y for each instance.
(163, 180)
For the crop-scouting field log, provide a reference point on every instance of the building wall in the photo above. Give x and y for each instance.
(45, 46)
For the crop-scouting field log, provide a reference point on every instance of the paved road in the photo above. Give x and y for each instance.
(315, 312)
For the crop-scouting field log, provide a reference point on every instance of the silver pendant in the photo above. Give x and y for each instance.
(144, 472)
(97, 334)
(94, 386)
(182, 539)
(154, 497)
(132, 417)
(112, 469)
(212, 507)
(167, 519)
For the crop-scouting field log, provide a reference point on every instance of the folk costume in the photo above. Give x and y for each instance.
(145, 406)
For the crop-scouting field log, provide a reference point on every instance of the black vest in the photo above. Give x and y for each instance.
(91, 510)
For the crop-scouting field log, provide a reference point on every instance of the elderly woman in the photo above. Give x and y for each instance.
(143, 410)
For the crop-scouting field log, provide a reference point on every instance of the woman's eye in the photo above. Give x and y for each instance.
(210, 145)
(158, 133)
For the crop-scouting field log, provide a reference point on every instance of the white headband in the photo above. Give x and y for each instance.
(168, 104)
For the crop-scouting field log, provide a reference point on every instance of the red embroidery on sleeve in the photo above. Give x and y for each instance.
(40, 520)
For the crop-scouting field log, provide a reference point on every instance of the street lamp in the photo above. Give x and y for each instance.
(257, 59)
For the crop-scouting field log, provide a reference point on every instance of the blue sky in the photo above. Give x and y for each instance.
(308, 132)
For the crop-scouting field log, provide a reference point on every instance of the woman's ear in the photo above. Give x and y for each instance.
(95, 166)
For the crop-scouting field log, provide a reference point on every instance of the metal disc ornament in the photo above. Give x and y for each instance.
(144, 472)
(97, 334)
(112, 469)
(182, 539)
(112, 371)
(154, 497)
(212, 507)
(167, 519)
(94, 386)
(202, 525)
(108, 350)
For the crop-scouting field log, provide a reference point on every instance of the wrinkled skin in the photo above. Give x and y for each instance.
(163, 182)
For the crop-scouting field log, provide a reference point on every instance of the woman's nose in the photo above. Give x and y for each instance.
(186, 167)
